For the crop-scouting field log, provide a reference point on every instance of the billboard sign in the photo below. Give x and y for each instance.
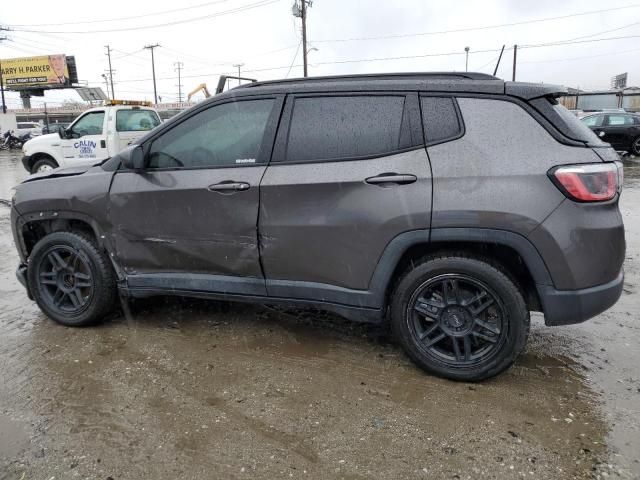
(42, 71)
(619, 81)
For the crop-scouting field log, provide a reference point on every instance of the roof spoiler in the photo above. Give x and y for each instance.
(529, 91)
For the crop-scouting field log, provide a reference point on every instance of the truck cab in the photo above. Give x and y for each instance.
(97, 134)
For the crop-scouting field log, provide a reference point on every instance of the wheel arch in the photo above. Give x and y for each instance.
(513, 252)
(41, 156)
(33, 227)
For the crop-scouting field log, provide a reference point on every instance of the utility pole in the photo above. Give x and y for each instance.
(238, 66)
(153, 70)
(301, 12)
(466, 61)
(495, 70)
(515, 58)
(4, 106)
(113, 94)
(179, 66)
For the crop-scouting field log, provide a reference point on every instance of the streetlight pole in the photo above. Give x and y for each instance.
(239, 66)
(466, 61)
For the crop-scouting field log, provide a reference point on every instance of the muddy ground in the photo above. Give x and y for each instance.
(194, 389)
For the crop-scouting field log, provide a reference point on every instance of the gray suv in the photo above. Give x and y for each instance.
(449, 204)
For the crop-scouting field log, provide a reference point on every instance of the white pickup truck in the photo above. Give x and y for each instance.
(97, 134)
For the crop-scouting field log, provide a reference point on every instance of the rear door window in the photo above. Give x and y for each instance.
(347, 127)
(618, 120)
(136, 120)
(440, 119)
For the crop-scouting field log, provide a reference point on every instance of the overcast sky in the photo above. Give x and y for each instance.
(209, 37)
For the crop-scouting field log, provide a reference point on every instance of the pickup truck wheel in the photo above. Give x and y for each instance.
(459, 317)
(71, 280)
(44, 165)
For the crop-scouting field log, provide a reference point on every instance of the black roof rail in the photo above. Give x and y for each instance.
(380, 76)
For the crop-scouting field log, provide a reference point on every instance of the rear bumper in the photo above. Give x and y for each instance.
(565, 307)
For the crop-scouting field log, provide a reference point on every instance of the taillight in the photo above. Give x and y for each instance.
(592, 182)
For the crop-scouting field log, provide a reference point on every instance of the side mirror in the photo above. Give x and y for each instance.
(133, 159)
(62, 133)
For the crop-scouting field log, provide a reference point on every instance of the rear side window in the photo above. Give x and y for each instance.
(136, 120)
(332, 128)
(615, 120)
(440, 119)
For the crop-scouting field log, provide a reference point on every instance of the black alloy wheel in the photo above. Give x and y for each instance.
(459, 316)
(66, 279)
(457, 319)
(71, 279)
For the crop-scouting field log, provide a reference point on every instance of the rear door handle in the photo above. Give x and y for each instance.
(229, 186)
(387, 178)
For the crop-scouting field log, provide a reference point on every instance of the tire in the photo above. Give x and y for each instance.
(71, 280)
(449, 328)
(635, 147)
(43, 165)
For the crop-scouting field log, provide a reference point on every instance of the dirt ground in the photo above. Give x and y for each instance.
(193, 389)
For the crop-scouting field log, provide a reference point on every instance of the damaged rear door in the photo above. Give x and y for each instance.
(189, 219)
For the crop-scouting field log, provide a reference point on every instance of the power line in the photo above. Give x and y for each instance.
(404, 57)
(471, 29)
(250, 6)
(135, 17)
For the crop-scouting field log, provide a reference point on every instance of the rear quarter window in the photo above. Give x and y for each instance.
(440, 119)
(343, 127)
(136, 120)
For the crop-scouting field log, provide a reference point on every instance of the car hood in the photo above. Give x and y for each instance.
(42, 140)
(59, 172)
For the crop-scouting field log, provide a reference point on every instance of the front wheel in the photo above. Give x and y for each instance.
(71, 280)
(459, 317)
(44, 165)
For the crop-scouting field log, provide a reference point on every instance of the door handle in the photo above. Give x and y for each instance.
(387, 178)
(229, 186)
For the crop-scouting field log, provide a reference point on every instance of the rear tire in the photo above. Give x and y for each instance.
(635, 147)
(44, 165)
(71, 280)
(459, 317)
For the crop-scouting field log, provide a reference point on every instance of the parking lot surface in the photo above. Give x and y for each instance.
(172, 388)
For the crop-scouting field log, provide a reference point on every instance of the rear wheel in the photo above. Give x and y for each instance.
(44, 165)
(71, 280)
(459, 317)
(635, 147)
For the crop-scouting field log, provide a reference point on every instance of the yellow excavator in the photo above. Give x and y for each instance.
(202, 87)
(222, 81)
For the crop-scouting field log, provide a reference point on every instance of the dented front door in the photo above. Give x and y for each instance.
(175, 221)
(194, 209)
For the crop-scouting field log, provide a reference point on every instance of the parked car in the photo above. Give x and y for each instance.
(54, 128)
(448, 204)
(32, 128)
(621, 130)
